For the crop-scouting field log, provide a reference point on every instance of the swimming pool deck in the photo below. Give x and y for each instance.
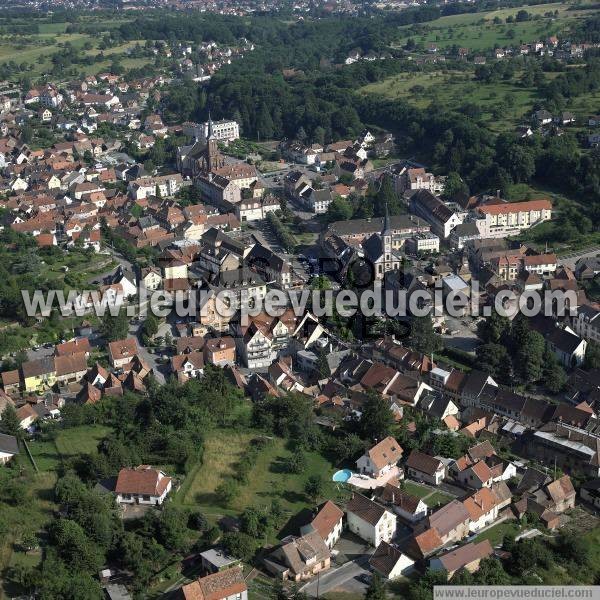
(371, 482)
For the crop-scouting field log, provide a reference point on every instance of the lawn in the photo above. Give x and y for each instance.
(267, 481)
(414, 489)
(80, 440)
(437, 499)
(496, 533)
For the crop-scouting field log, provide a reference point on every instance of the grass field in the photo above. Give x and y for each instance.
(37, 49)
(267, 479)
(478, 32)
(496, 533)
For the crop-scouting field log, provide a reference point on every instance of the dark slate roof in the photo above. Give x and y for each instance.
(9, 444)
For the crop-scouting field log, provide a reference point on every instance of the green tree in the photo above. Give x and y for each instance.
(422, 337)
(376, 589)
(240, 545)
(9, 423)
(115, 327)
(377, 419)
(314, 487)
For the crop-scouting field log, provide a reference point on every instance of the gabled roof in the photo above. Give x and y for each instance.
(366, 509)
(218, 586)
(464, 555)
(386, 452)
(327, 517)
(423, 462)
(385, 558)
(142, 480)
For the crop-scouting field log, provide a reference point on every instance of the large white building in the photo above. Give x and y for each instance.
(224, 131)
(509, 218)
(370, 521)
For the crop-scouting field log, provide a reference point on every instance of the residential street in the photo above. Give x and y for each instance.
(344, 577)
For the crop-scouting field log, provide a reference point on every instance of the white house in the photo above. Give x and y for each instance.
(381, 458)
(390, 563)
(423, 467)
(370, 521)
(142, 485)
(485, 505)
(568, 347)
(328, 523)
(405, 505)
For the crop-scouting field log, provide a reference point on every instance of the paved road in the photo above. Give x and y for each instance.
(135, 330)
(569, 260)
(343, 577)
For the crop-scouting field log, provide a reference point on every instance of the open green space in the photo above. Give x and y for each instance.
(496, 533)
(414, 489)
(37, 507)
(483, 31)
(267, 480)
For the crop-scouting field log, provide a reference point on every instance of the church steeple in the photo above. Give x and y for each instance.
(386, 222)
(211, 132)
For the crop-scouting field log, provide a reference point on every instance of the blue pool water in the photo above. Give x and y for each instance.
(342, 476)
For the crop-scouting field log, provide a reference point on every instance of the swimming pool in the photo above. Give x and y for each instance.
(342, 476)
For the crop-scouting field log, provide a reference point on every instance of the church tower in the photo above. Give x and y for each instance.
(213, 159)
(386, 236)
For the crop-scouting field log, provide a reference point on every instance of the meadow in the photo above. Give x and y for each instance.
(266, 481)
(37, 49)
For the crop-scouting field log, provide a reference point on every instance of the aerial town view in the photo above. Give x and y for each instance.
(299, 299)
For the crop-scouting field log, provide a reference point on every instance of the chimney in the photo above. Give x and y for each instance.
(497, 193)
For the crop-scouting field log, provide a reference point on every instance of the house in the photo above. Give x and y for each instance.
(485, 504)
(327, 522)
(26, 416)
(409, 507)
(11, 382)
(216, 559)
(509, 218)
(590, 492)
(568, 347)
(390, 563)
(542, 117)
(423, 467)
(122, 352)
(70, 368)
(9, 447)
(370, 521)
(220, 351)
(142, 485)
(380, 458)
(186, 366)
(228, 584)
(39, 374)
(451, 522)
(465, 557)
(441, 218)
(299, 558)
(476, 476)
